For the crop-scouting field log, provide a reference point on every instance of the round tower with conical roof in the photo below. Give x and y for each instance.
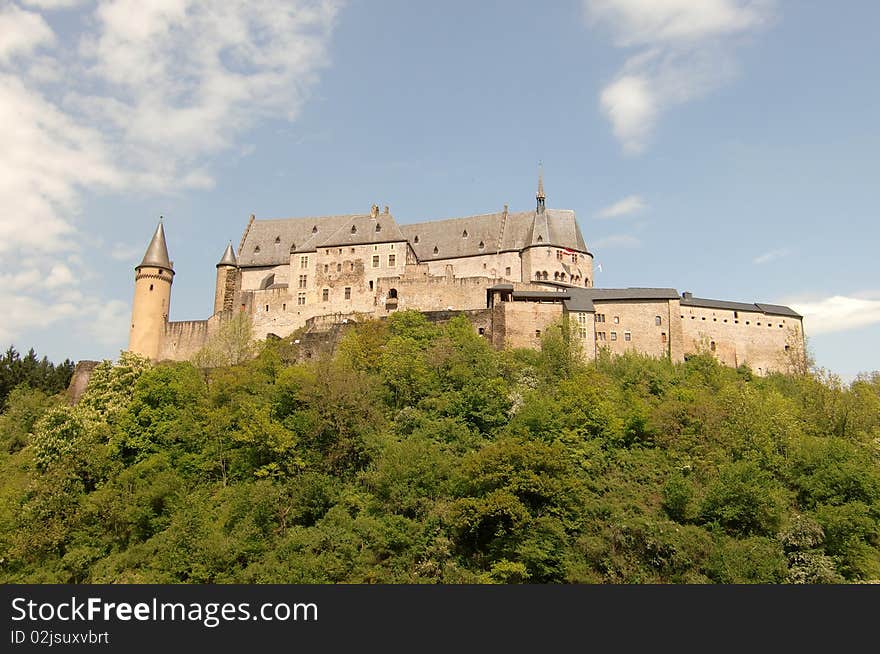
(227, 271)
(152, 298)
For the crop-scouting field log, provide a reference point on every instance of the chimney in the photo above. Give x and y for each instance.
(374, 211)
(687, 295)
(386, 209)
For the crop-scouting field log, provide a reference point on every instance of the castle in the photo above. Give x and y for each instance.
(514, 274)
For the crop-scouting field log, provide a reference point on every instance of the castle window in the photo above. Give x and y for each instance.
(537, 274)
(326, 267)
(540, 239)
(484, 266)
(712, 346)
(338, 267)
(416, 239)
(303, 279)
(352, 250)
(556, 276)
(658, 321)
(339, 251)
(301, 298)
(325, 294)
(559, 254)
(582, 332)
(748, 323)
(600, 317)
(788, 348)
(537, 333)
(371, 284)
(351, 265)
(464, 234)
(562, 277)
(375, 261)
(758, 324)
(582, 318)
(267, 307)
(436, 250)
(392, 246)
(315, 229)
(481, 331)
(616, 320)
(303, 262)
(354, 229)
(277, 239)
(601, 336)
(348, 292)
(378, 228)
(284, 306)
(392, 260)
(481, 245)
(151, 287)
(613, 336)
(663, 337)
(545, 274)
(256, 249)
(292, 248)
(574, 258)
(392, 294)
(736, 314)
(507, 271)
(627, 336)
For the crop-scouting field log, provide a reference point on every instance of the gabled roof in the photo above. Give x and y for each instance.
(769, 309)
(157, 251)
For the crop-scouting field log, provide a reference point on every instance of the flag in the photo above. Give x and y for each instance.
(599, 267)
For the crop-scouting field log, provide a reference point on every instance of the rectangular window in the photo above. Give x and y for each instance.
(582, 332)
(616, 320)
(600, 336)
(600, 317)
(325, 294)
(348, 292)
(326, 268)
(267, 307)
(627, 336)
(559, 254)
(663, 337)
(375, 261)
(574, 258)
(507, 271)
(658, 320)
(284, 307)
(300, 298)
(302, 281)
(582, 318)
(303, 262)
(613, 336)
(338, 267)
(391, 260)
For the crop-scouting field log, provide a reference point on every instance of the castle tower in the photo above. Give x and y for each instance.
(152, 298)
(227, 273)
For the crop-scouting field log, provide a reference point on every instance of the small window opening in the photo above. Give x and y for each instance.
(277, 239)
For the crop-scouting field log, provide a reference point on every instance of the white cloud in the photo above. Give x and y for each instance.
(123, 252)
(839, 312)
(628, 205)
(772, 255)
(143, 100)
(617, 241)
(684, 52)
(23, 32)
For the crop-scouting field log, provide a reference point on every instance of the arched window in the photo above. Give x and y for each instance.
(392, 294)
(436, 250)
(257, 249)
(712, 346)
(315, 229)
(416, 239)
(658, 320)
(537, 275)
(378, 227)
(464, 234)
(354, 229)
(562, 276)
(556, 275)
(545, 275)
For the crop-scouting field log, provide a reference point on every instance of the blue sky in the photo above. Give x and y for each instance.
(725, 147)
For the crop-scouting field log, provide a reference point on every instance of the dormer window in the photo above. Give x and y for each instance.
(293, 247)
(315, 229)
(481, 245)
(378, 227)
(277, 240)
(416, 239)
(540, 239)
(436, 250)
(354, 229)
(256, 249)
(464, 234)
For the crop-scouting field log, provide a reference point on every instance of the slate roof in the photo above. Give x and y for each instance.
(452, 238)
(228, 258)
(769, 309)
(157, 251)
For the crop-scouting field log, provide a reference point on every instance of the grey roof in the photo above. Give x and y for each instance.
(157, 251)
(228, 258)
(582, 298)
(496, 233)
(540, 295)
(770, 309)
(270, 242)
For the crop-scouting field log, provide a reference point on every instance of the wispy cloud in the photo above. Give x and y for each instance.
(124, 252)
(839, 312)
(772, 255)
(142, 99)
(617, 241)
(683, 51)
(628, 205)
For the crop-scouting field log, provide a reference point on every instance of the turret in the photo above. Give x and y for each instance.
(227, 274)
(540, 194)
(152, 298)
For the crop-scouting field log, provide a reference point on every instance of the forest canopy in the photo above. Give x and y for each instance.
(417, 453)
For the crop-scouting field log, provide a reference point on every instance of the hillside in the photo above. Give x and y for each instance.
(418, 454)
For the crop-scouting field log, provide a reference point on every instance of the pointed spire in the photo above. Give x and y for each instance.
(540, 194)
(228, 258)
(157, 252)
